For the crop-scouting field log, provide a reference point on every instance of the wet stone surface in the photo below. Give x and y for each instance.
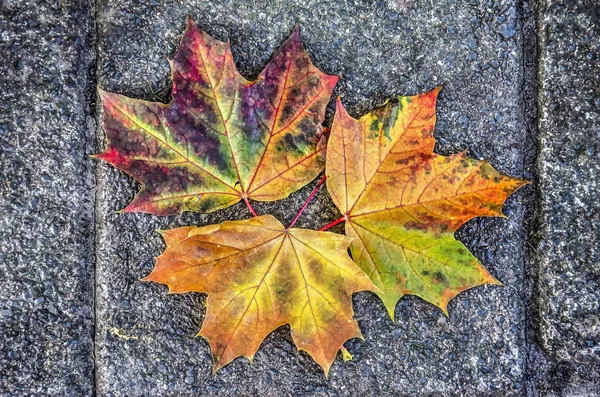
(46, 198)
(145, 338)
(569, 169)
(519, 76)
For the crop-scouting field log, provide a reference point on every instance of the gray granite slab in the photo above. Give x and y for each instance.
(568, 281)
(46, 198)
(145, 338)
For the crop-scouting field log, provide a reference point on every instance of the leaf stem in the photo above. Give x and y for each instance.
(312, 194)
(332, 224)
(250, 206)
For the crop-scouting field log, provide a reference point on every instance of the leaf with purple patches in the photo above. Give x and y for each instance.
(222, 138)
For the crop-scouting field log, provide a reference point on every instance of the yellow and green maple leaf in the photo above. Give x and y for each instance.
(402, 202)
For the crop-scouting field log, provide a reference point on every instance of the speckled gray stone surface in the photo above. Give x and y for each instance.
(76, 320)
(46, 198)
(569, 202)
(145, 341)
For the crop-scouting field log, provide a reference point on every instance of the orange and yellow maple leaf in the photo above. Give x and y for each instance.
(402, 202)
(259, 276)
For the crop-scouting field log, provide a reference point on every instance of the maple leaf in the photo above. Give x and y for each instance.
(222, 138)
(402, 203)
(259, 276)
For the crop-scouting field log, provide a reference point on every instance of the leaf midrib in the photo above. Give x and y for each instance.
(367, 183)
